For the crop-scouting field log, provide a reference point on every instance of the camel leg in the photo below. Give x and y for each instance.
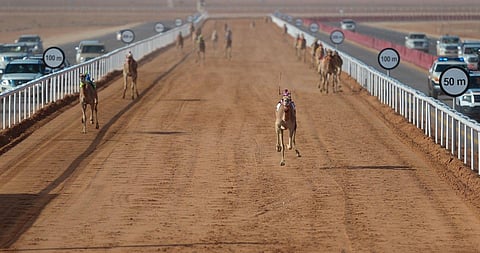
(325, 82)
(96, 114)
(294, 145)
(134, 83)
(84, 118)
(278, 130)
(92, 111)
(282, 147)
(133, 87)
(125, 80)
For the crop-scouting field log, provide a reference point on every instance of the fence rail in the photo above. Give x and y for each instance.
(448, 128)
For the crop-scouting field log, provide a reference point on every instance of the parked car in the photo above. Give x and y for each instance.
(89, 49)
(447, 45)
(19, 72)
(33, 41)
(470, 50)
(65, 64)
(13, 51)
(469, 102)
(348, 24)
(437, 68)
(418, 41)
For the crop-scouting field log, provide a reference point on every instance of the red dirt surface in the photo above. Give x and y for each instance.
(191, 166)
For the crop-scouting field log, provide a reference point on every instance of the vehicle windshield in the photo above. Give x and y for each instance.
(93, 49)
(417, 36)
(14, 49)
(442, 67)
(28, 39)
(450, 40)
(471, 50)
(24, 68)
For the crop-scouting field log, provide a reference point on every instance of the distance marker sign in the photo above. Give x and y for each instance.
(337, 37)
(454, 81)
(299, 22)
(53, 57)
(127, 36)
(159, 27)
(178, 22)
(388, 58)
(313, 27)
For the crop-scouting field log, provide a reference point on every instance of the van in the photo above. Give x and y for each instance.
(469, 50)
(89, 49)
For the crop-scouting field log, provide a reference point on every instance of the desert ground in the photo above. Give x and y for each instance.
(191, 165)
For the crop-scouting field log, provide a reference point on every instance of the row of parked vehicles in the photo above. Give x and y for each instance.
(467, 103)
(22, 61)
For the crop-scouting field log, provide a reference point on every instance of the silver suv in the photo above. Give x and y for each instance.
(9, 52)
(33, 41)
(348, 24)
(418, 41)
(447, 45)
(19, 72)
(437, 68)
(89, 49)
(469, 50)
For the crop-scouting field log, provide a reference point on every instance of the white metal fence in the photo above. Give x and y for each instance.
(445, 126)
(21, 103)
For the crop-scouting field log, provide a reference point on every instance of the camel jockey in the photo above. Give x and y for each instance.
(286, 93)
(85, 78)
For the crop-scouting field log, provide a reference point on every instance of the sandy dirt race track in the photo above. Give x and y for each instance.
(191, 166)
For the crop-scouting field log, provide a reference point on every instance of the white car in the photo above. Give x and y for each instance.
(447, 45)
(470, 50)
(20, 72)
(418, 41)
(348, 24)
(89, 49)
(436, 70)
(33, 41)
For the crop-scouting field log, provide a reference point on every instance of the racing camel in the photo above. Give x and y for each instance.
(286, 118)
(88, 96)
(327, 69)
(179, 42)
(130, 70)
(200, 49)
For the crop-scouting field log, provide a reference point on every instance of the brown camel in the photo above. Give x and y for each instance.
(88, 96)
(286, 118)
(130, 70)
(179, 42)
(327, 70)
